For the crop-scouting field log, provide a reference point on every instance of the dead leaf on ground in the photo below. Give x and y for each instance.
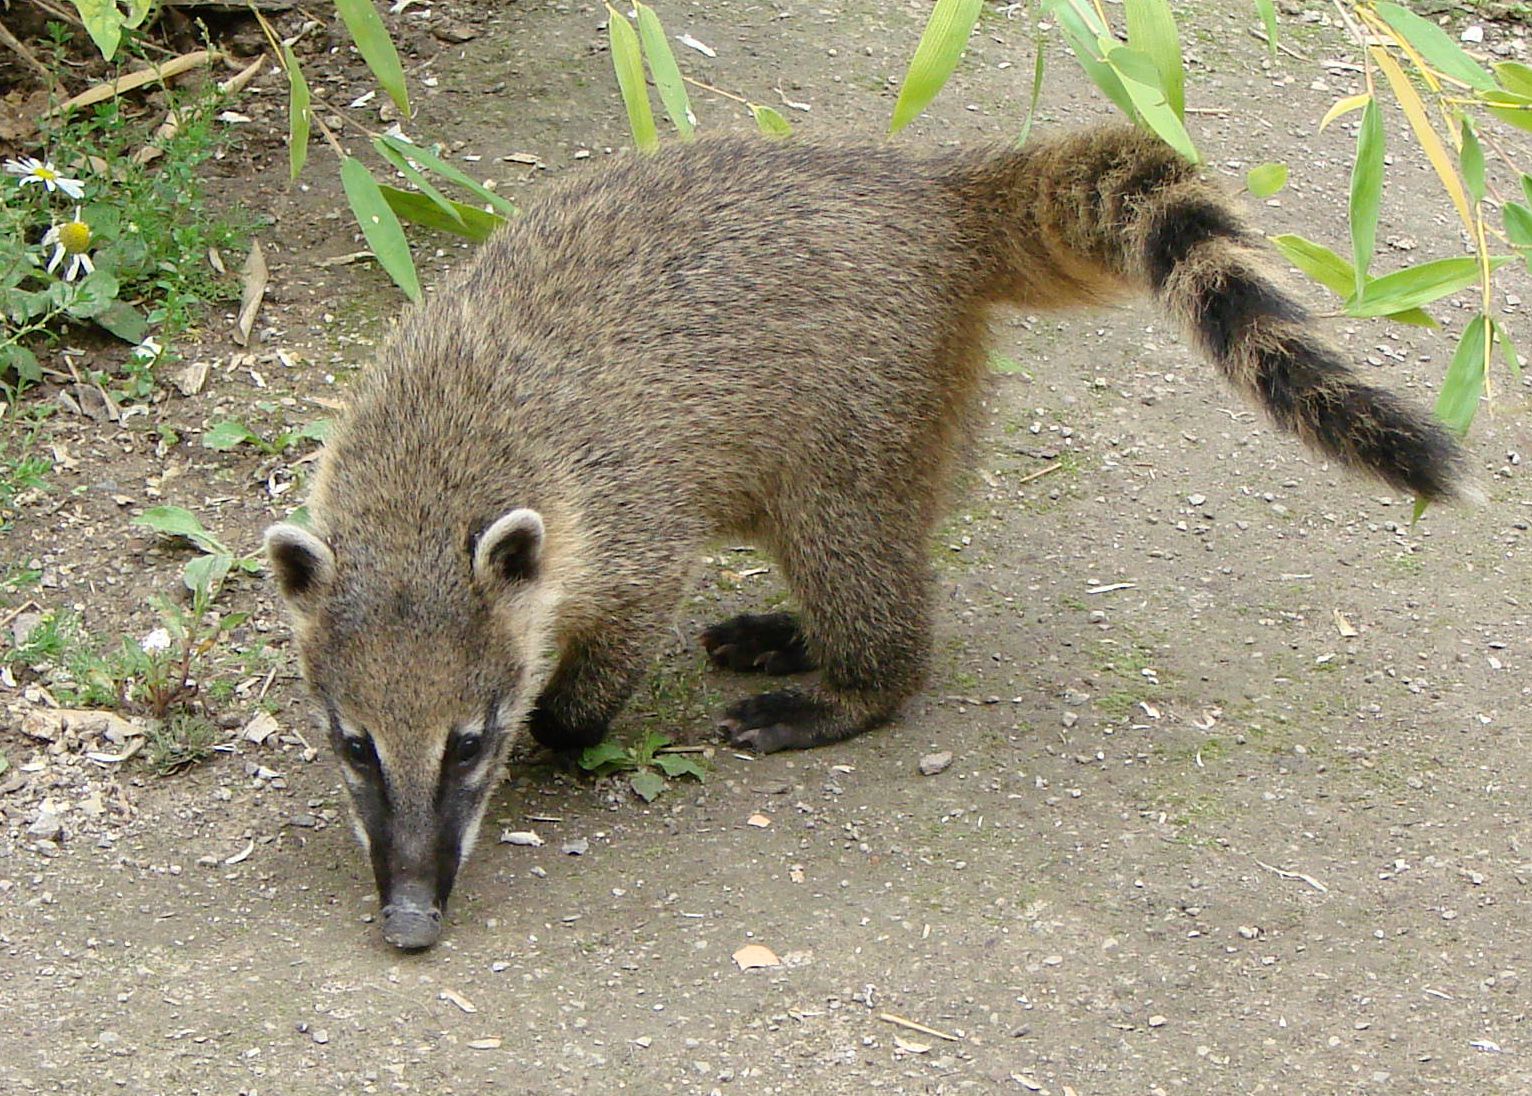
(752, 956)
(261, 727)
(910, 1046)
(459, 1000)
(759, 821)
(252, 291)
(1344, 626)
(51, 724)
(484, 1044)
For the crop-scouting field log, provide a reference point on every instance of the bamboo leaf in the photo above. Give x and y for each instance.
(407, 169)
(1039, 53)
(1433, 44)
(1464, 383)
(1430, 143)
(1416, 285)
(1366, 191)
(1509, 107)
(376, 47)
(1343, 107)
(297, 113)
(1264, 180)
(1471, 160)
(665, 71)
(1514, 77)
(471, 222)
(1081, 30)
(936, 57)
(385, 236)
(1152, 31)
(1335, 273)
(1268, 14)
(1518, 224)
(426, 158)
(770, 122)
(1508, 348)
(1142, 81)
(628, 63)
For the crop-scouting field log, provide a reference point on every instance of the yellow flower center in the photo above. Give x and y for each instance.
(45, 173)
(75, 236)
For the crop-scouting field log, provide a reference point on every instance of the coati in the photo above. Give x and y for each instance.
(773, 341)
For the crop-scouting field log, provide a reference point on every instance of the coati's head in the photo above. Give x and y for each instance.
(424, 667)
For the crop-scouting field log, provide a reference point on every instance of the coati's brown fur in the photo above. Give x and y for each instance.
(778, 342)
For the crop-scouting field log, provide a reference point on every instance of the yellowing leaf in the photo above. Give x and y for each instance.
(1342, 107)
(1430, 143)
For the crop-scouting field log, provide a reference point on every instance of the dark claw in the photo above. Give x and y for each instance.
(773, 721)
(766, 642)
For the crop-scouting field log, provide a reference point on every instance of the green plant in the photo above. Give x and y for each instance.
(131, 232)
(231, 434)
(179, 742)
(205, 574)
(645, 759)
(22, 469)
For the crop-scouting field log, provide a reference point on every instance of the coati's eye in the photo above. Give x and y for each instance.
(467, 749)
(360, 752)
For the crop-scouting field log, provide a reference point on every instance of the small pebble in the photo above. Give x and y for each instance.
(934, 763)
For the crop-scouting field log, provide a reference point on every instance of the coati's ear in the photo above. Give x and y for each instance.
(510, 551)
(302, 563)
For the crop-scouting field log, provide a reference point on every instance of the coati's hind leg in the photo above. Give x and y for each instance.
(771, 643)
(865, 621)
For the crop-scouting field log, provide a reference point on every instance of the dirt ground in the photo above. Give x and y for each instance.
(1241, 766)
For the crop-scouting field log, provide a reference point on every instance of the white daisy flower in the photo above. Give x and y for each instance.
(70, 240)
(33, 170)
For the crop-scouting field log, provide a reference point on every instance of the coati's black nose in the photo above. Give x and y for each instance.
(411, 927)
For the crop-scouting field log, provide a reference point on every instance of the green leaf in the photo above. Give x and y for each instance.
(628, 63)
(1335, 273)
(226, 435)
(104, 22)
(1434, 44)
(606, 755)
(22, 362)
(93, 295)
(1268, 20)
(124, 321)
(1471, 159)
(1417, 285)
(647, 784)
(666, 73)
(205, 574)
(1152, 31)
(1039, 52)
(1526, 187)
(1005, 366)
(298, 117)
(1464, 383)
(1264, 180)
(643, 752)
(1499, 333)
(138, 11)
(1512, 109)
(318, 430)
(770, 122)
(426, 158)
(1142, 81)
(936, 57)
(379, 225)
(1366, 191)
(407, 169)
(1082, 29)
(176, 521)
(678, 765)
(472, 222)
(376, 48)
(1514, 77)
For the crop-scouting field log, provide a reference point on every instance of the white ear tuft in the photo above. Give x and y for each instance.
(510, 551)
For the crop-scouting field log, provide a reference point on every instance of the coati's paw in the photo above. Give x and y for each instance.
(785, 720)
(556, 735)
(758, 642)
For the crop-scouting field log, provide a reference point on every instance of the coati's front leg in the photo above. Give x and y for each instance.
(593, 681)
(771, 643)
(865, 623)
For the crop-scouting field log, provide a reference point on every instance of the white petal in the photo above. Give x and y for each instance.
(72, 187)
(58, 256)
